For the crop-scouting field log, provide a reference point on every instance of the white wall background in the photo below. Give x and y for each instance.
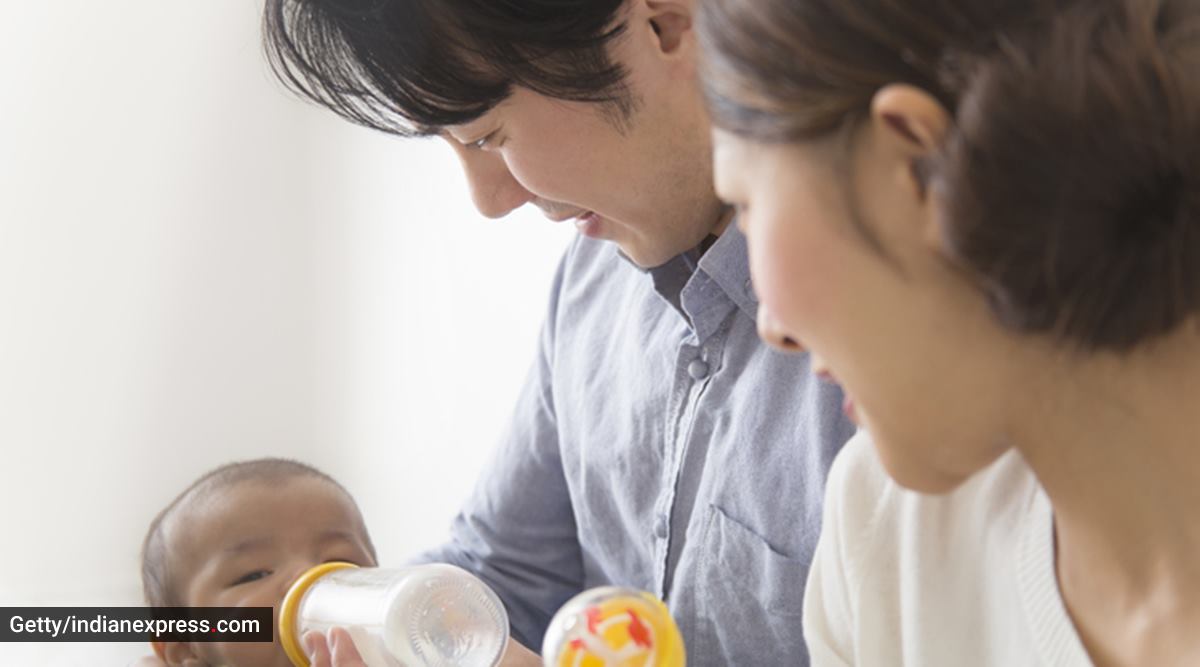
(196, 268)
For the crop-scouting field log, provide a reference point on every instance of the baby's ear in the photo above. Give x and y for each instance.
(174, 653)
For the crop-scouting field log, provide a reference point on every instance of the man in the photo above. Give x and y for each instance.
(657, 443)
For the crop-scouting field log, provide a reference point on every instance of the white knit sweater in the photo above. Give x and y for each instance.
(964, 579)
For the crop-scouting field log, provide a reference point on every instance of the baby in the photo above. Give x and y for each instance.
(238, 537)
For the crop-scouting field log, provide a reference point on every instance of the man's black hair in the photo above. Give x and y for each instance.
(412, 67)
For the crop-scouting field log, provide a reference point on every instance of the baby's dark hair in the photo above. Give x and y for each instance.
(1071, 175)
(158, 579)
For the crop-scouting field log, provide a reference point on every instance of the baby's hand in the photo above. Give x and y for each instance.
(339, 651)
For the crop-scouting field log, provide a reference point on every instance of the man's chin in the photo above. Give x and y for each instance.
(641, 259)
(647, 258)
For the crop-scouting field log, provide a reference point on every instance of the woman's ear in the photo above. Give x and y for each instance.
(912, 116)
(913, 125)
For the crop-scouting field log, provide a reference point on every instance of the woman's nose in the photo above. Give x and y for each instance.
(771, 332)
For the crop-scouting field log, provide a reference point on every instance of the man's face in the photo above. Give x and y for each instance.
(644, 184)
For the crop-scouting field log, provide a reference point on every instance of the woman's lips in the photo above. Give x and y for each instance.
(824, 375)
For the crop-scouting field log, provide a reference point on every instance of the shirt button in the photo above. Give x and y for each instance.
(661, 530)
(698, 369)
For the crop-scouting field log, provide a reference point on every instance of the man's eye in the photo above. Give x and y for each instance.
(251, 576)
(480, 144)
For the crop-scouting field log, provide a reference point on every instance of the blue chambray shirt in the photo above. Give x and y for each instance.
(658, 443)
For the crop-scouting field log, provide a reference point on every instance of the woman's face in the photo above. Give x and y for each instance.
(903, 332)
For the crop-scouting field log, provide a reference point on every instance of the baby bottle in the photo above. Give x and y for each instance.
(422, 616)
(613, 627)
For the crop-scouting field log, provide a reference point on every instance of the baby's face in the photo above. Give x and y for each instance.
(245, 547)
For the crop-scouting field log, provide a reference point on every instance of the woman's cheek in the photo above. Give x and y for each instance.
(786, 280)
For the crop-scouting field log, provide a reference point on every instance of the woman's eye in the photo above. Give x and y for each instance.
(251, 576)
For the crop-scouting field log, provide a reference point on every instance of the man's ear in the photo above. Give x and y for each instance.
(671, 21)
(174, 653)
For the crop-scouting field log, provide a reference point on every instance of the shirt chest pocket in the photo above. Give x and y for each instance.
(751, 596)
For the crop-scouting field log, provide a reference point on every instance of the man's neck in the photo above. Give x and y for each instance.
(707, 242)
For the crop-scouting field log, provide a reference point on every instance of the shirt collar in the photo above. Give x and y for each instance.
(726, 263)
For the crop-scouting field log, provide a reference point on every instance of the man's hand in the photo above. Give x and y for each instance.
(517, 655)
(339, 651)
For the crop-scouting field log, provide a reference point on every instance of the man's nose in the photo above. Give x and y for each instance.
(494, 190)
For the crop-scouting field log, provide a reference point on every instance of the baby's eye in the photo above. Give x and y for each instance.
(251, 576)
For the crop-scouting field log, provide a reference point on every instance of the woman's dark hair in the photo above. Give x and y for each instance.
(411, 67)
(1070, 180)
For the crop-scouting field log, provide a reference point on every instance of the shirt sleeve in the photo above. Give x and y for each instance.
(829, 623)
(517, 530)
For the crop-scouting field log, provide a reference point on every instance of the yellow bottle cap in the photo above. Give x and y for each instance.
(290, 608)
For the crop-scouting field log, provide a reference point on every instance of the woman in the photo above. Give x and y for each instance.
(983, 218)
